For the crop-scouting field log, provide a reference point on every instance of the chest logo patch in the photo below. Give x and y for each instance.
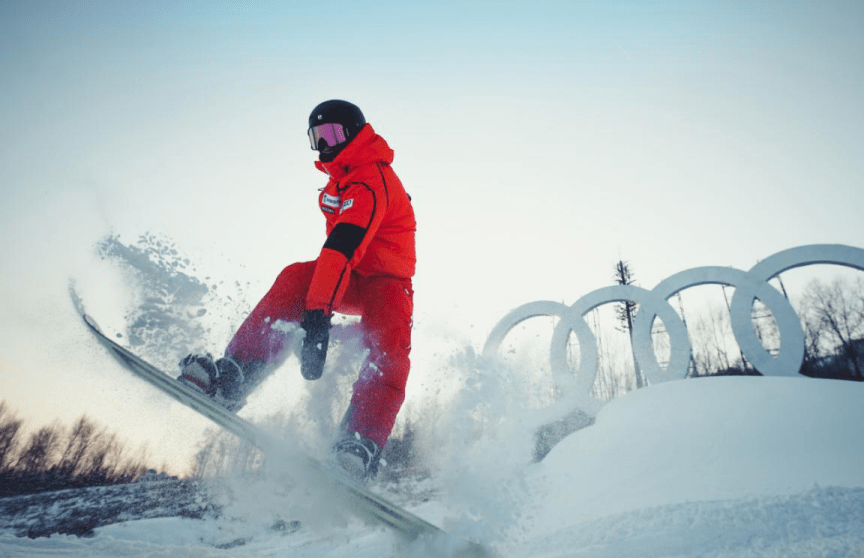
(346, 205)
(331, 201)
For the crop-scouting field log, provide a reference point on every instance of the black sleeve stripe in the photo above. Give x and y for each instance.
(345, 238)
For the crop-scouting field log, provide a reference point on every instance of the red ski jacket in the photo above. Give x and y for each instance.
(370, 221)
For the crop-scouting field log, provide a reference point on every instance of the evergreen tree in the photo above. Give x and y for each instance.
(626, 311)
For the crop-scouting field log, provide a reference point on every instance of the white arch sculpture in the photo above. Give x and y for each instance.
(749, 286)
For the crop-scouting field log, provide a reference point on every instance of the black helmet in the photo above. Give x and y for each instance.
(346, 119)
(338, 112)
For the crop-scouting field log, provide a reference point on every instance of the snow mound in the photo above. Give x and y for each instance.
(702, 440)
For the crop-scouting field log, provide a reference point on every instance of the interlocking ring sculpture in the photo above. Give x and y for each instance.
(749, 286)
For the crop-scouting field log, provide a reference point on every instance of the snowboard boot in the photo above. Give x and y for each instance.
(357, 458)
(221, 380)
(199, 372)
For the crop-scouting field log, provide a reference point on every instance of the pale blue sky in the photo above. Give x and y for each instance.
(541, 141)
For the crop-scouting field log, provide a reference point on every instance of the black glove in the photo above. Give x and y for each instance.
(314, 351)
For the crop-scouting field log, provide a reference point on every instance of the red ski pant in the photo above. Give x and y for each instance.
(385, 305)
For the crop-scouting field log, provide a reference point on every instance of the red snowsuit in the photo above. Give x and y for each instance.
(364, 268)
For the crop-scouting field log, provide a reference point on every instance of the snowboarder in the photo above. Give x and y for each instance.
(364, 268)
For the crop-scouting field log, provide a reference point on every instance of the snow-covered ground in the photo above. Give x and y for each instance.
(725, 467)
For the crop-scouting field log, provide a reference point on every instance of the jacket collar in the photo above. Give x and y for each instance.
(367, 148)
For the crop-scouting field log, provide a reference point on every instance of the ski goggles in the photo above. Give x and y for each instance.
(332, 134)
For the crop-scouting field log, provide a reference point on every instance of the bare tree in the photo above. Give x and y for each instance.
(39, 452)
(102, 450)
(77, 445)
(136, 465)
(711, 337)
(834, 317)
(10, 427)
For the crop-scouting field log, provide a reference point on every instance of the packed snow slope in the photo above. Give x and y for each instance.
(706, 439)
(725, 466)
(741, 443)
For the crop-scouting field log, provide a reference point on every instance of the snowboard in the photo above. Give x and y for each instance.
(361, 501)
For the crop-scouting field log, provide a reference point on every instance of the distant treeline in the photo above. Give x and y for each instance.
(832, 318)
(56, 457)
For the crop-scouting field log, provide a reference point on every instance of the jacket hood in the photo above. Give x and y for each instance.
(367, 148)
